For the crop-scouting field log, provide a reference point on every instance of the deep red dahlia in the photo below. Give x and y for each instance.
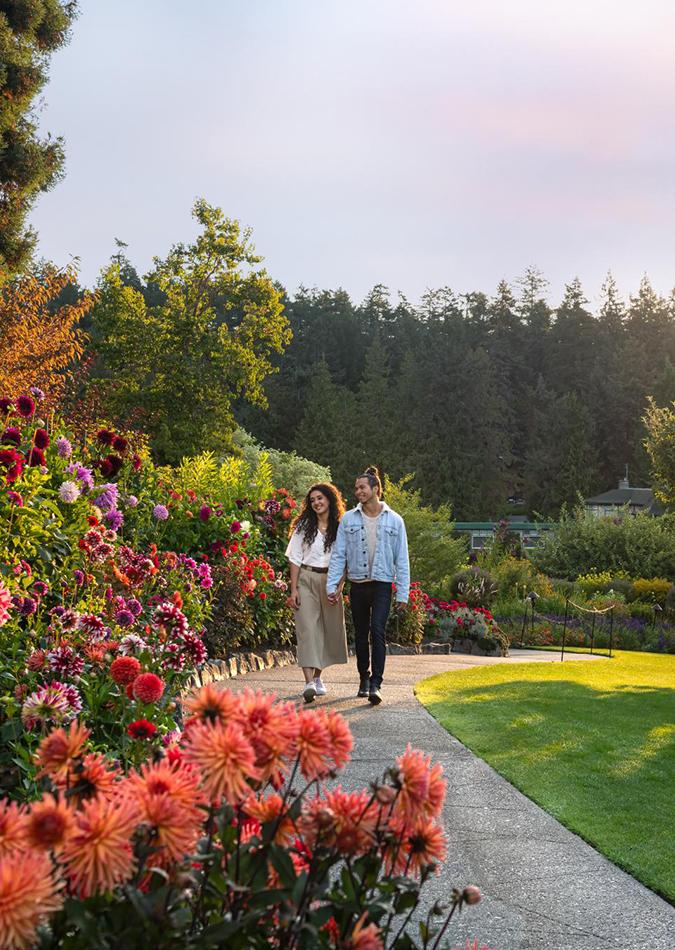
(148, 687)
(114, 464)
(125, 669)
(120, 444)
(41, 438)
(36, 457)
(11, 436)
(5, 404)
(105, 436)
(141, 729)
(25, 406)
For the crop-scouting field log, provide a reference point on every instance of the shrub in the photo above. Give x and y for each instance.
(652, 591)
(435, 553)
(639, 546)
(288, 470)
(670, 600)
(475, 586)
(406, 624)
(593, 583)
(232, 623)
(518, 576)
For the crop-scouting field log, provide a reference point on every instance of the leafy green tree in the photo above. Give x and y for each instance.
(211, 339)
(435, 552)
(289, 470)
(660, 446)
(30, 31)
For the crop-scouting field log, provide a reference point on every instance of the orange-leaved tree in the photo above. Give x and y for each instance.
(39, 336)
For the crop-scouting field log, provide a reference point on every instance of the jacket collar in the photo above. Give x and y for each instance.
(385, 507)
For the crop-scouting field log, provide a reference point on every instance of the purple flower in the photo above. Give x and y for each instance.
(160, 512)
(84, 475)
(63, 447)
(78, 577)
(115, 519)
(107, 500)
(135, 606)
(124, 618)
(69, 492)
(37, 392)
(40, 588)
(204, 513)
(131, 501)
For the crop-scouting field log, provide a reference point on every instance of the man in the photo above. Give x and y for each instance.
(371, 547)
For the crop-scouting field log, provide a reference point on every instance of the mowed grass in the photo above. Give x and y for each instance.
(592, 742)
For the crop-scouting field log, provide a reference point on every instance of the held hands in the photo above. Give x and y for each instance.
(401, 606)
(293, 600)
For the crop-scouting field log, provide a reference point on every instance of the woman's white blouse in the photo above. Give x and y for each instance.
(313, 555)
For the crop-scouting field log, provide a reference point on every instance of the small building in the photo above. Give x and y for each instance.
(624, 498)
(480, 533)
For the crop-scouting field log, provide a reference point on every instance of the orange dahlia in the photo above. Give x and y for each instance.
(48, 823)
(413, 784)
(29, 893)
(365, 936)
(12, 827)
(174, 831)
(355, 820)
(341, 738)
(271, 728)
(209, 704)
(270, 808)
(94, 776)
(313, 745)
(57, 751)
(177, 780)
(98, 853)
(225, 758)
(424, 844)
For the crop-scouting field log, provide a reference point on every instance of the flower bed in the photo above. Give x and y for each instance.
(469, 629)
(209, 844)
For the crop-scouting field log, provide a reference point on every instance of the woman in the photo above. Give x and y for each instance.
(319, 625)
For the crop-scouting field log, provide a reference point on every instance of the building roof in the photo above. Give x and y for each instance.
(640, 497)
(512, 525)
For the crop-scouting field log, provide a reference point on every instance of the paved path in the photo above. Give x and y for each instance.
(543, 887)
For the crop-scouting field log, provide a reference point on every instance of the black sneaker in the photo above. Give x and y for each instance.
(364, 687)
(374, 696)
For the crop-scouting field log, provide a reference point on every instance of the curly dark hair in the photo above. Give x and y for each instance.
(307, 523)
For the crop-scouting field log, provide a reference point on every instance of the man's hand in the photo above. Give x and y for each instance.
(333, 598)
(401, 605)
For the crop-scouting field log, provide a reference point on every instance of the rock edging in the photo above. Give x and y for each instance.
(463, 646)
(214, 671)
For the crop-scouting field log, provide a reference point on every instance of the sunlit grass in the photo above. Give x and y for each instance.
(591, 742)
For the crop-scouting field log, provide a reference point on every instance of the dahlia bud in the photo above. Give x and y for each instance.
(471, 895)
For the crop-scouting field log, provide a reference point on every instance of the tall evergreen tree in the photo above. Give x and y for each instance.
(30, 31)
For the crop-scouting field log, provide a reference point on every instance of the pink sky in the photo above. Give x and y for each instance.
(364, 141)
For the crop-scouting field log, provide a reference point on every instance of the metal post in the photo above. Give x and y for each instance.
(592, 633)
(531, 619)
(611, 631)
(562, 652)
(522, 632)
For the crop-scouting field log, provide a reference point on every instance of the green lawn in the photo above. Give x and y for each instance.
(591, 742)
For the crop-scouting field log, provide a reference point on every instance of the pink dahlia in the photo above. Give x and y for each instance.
(5, 604)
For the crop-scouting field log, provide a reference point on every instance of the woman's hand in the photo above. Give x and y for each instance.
(293, 599)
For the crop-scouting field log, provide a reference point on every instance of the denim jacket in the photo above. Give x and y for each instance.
(350, 551)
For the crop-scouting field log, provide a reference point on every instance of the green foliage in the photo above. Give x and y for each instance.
(475, 587)
(518, 576)
(651, 591)
(660, 446)
(638, 546)
(200, 335)
(30, 31)
(287, 469)
(435, 553)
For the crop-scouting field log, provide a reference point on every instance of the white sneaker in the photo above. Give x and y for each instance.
(309, 692)
(320, 688)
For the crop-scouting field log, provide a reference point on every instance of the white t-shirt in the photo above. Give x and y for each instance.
(371, 538)
(313, 555)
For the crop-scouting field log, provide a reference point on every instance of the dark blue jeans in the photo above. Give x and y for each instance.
(370, 603)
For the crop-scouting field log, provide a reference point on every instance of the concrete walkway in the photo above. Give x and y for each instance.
(543, 887)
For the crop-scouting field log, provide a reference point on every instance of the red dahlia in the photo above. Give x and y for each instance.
(105, 436)
(11, 436)
(25, 406)
(120, 444)
(36, 457)
(125, 669)
(141, 729)
(41, 438)
(148, 687)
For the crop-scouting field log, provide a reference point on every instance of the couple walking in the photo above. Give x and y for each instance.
(366, 546)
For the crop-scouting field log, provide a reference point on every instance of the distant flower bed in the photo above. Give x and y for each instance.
(455, 620)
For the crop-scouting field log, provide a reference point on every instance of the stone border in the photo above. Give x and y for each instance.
(215, 670)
